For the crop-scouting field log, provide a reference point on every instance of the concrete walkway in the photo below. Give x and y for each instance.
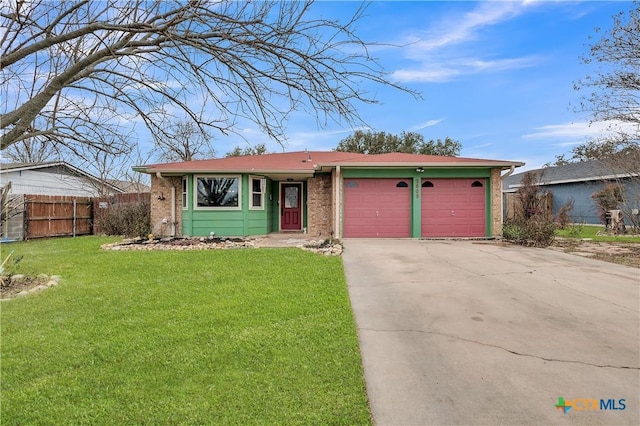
(463, 332)
(286, 239)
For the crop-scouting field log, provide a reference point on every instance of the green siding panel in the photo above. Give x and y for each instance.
(228, 223)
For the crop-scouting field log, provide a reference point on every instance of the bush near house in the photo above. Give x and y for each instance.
(127, 219)
(531, 224)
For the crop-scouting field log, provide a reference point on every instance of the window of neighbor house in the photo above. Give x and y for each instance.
(184, 192)
(218, 192)
(258, 186)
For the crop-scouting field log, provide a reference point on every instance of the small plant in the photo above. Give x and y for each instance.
(564, 214)
(575, 230)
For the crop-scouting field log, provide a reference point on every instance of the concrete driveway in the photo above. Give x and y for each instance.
(473, 332)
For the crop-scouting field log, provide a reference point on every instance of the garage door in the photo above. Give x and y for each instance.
(377, 208)
(453, 208)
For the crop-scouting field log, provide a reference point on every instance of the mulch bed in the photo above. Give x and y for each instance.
(10, 286)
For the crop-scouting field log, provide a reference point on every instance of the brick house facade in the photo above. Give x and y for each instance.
(256, 195)
(166, 218)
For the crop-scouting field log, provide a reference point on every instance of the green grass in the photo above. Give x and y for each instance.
(590, 231)
(255, 336)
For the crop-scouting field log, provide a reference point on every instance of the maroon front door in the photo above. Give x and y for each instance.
(291, 206)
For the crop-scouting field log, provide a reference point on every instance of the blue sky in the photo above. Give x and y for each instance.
(497, 76)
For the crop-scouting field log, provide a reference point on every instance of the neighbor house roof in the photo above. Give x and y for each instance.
(310, 161)
(583, 171)
(18, 167)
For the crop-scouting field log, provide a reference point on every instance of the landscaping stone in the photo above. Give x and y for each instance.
(22, 285)
(17, 278)
(326, 247)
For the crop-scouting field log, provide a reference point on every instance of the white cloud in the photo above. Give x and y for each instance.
(577, 130)
(430, 73)
(461, 29)
(426, 124)
(440, 51)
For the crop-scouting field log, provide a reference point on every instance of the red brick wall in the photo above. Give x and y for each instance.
(320, 206)
(161, 225)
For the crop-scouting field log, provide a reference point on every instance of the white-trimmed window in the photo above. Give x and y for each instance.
(184, 192)
(257, 186)
(218, 192)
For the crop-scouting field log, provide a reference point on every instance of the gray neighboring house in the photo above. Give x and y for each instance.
(48, 178)
(53, 178)
(578, 181)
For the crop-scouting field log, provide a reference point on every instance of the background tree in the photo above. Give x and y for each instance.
(259, 149)
(613, 90)
(408, 142)
(77, 72)
(185, 142)
(613, 97)
(30, 151)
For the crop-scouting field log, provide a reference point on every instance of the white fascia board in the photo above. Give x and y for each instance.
(588, 179)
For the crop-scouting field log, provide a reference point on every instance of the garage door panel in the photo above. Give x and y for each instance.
(453, 208)
(376, 208)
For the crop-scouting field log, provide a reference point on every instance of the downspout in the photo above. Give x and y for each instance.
(173, 211)
(509, 173)
(337, 226)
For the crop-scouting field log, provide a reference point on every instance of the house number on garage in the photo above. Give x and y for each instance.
(416, 183)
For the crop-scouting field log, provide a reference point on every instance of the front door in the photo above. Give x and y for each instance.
(291, 206)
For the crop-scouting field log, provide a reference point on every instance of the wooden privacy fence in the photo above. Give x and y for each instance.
(57, 215)
(513, 205)
(40, 216)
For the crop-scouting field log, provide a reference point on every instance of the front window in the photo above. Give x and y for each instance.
(218, 192)
(257, 193)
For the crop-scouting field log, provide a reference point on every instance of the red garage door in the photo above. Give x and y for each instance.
(377, 208)
(453, 208)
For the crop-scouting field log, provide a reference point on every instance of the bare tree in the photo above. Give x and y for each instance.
(613, 91)
(186, 142)
(31, 151)
(613, 96)
(77, 72)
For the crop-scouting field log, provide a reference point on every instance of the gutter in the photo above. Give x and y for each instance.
(151, 171)
(509, 173)
(430, 165)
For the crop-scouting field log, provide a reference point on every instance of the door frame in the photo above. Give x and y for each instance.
(280, 207)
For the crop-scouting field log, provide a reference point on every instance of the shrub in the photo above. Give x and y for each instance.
(533, 226)
(130, 220)
(608, 198)
(538, 231)
(564, 214)
(575, 230)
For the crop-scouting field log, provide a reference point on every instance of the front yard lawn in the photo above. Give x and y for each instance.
(201, 337)
(595, 233)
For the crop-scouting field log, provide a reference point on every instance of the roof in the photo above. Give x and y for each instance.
(583, 171)
(128, 187)
(306, 162)
(18, 167)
